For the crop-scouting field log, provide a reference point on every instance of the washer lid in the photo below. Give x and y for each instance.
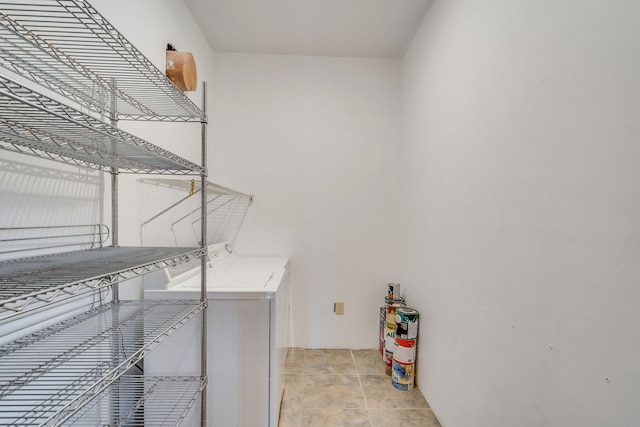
(257, 277)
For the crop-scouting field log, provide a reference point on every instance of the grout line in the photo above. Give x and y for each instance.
(366, 405)
(358, 374)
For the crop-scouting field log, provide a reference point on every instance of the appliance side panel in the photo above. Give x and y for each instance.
(279, 346)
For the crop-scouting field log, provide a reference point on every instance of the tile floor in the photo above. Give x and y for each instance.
(347, 388)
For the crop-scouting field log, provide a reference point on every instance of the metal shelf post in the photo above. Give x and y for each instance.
(203, 265)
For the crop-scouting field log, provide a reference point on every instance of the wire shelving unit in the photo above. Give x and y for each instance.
(67, 46)
(35, 282)
(166, 401)
(34, 124)
(47, 376)
(67, 76)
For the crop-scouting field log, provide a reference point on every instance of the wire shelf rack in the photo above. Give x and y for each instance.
(31, 283)
(48, 376)
(143, 401)
(168, 204)
(22, 242)
(67, 46)
(34, 124)
(66, 77)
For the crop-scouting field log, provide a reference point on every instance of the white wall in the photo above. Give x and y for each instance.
(520, 233)
(316, 140)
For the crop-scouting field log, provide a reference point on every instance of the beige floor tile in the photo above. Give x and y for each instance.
(332, 391)
(333, 361)
(324, 389)
(289, 418)
(295, 360)
(335, 418)
(368, 362)
(294, 389)
(403, 418)
(380, 394)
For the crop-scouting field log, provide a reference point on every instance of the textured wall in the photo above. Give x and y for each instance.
(520, 238)
(316, 140)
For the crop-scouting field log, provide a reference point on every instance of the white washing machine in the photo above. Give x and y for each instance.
(248, 335)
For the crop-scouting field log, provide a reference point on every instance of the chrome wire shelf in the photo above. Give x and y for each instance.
(33, 241)
(31, 283)
(67, 46)
(34, 124)
(166, 203)
(143, 401)
(192, 186)
(46, 377)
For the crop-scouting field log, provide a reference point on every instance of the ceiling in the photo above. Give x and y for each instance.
(360, 28)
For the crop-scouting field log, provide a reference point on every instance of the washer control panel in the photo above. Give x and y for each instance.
(219, 252)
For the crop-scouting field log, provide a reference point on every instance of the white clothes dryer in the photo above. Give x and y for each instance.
(248, 335)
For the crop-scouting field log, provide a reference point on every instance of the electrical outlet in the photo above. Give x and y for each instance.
(338, 307)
